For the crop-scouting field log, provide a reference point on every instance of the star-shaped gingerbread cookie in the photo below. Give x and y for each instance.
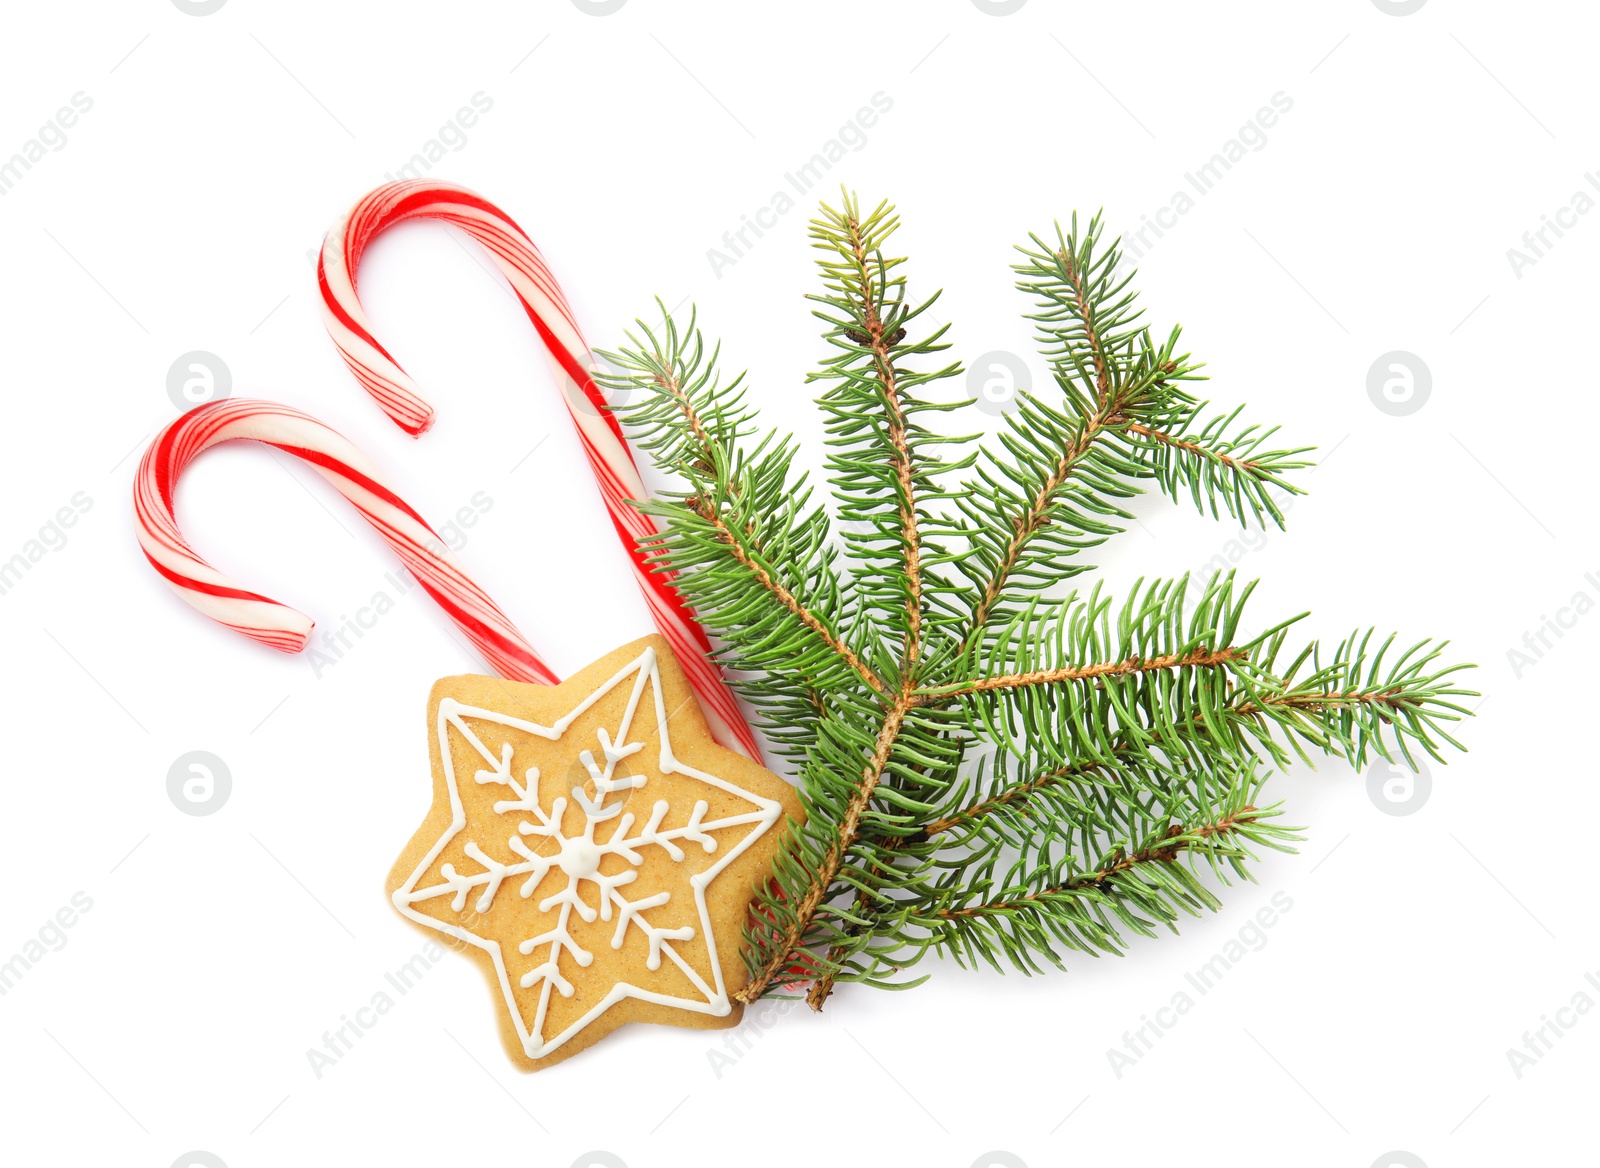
(593, 848)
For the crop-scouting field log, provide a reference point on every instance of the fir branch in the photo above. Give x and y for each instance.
(750, 557)
(1013, 795)
(1354, 706)
(879, 451)
(1222, 471)
(1047, 499)
(1085, 312)
(1087, 911)
(1119, 747)
(1126, 417)
(1200, 658)
(1168, 846)
(846, 834)
(1067, 673)
(1010, 799)
(1072, 816)
(868, 307)
(742, 514)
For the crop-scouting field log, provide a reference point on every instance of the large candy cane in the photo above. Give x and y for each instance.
(569, 355)
(420, 548)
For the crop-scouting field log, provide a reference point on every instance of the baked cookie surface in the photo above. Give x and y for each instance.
(593, 849)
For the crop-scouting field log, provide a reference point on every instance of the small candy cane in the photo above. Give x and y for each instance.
(262, 619)
(547, 307)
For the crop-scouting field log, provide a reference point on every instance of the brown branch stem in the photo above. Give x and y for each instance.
(849, 831)
(1335, 699)
(822, 987)
(1015, 793)
(1034, 518)
(1243, 465)
(879, 341)
(1102, 366)
(784, 597)
(1177, 841)
(1200, 658)
(706, 511)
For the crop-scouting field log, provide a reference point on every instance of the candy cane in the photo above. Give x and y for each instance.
(335, 459)
(570, 358)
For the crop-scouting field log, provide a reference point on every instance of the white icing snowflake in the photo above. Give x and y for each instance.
(588, 891)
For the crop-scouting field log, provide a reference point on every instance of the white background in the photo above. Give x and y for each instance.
(179, 215)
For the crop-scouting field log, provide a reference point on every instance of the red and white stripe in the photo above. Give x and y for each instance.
(420, 548)
(547, 308)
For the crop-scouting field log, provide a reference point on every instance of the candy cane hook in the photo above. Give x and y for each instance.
(262, 619)
(598, 429)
